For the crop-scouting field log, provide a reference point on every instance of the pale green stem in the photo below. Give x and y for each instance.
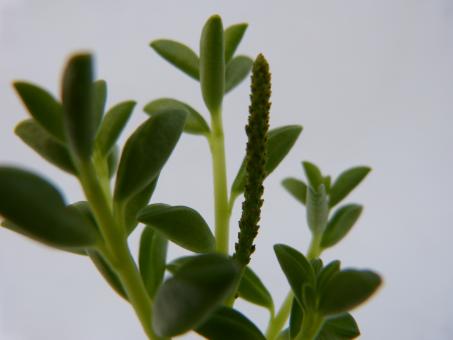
(217, 146)
(311, 324)
(278, 321)
(117, 250)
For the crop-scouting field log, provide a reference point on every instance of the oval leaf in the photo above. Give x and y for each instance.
(317, 209)
(226, 324)
(297, 188)
(340, 224)
(212, 64)
(253, 290)
(146, 152)
(327, 273)
(236, 71)
(297, 269)
(280, 141)
(100, 98)
(112, 125)
(195, 123)
(233, 36)
(181, 225)
(339, 327)
(80, 119)
(346, 182)
(38, 209)
(186, 300)
(348, 289)
(49, 148)
(152, 257)
(179, 55)
(43, 107)
(313, 173)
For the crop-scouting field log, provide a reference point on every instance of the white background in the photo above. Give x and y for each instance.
(372, 83)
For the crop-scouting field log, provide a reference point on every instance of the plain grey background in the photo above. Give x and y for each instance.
(370, 81)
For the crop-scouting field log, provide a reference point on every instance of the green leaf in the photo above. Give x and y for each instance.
(280, 141)
(108, 273)
(80, 119)
(38, 209)
(43, 107)
(346, 182)
(317, 209)
(284, 335)
(297, 188)
(181, 225)
(226, 324)
(195, 123)
(152, 257)
(348, 289)
(212, 64)
(187, 299)
(49, 148)
(236, 71)
(316, 265)
(233, 36)
(112, 161)
(314, 175)
(327, 273)
(339, 327)
(114, 122)
(176, 264)
(100, 98)
(295, 319)
(146, 152)
(340, 224)
(179, 55)
(297, 269)
(253, 290)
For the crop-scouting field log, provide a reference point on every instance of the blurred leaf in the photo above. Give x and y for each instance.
(346, 182)
(146, 152)
(152, 257)
(38, 209)
(181, 225)
(317, 209)
(32, 134)
(348, 289)
(327, 273)
(43, 107)
(100, 98)
(295, 319)
(297, 188)
(314, 176)
(340, 224)
(179, 55)
(112, 161)
(212, 64)
(233, 36)
(226, 324)
(236, 71)
(187, 299)
(195, 123)
(284, 335)
(340, 327)
(253, 290)
(280, 142)
(176, 264)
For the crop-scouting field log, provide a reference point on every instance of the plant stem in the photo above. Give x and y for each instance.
(311, 324)
(117, 250)
(217, 146)
(278, 321)
(315, 250)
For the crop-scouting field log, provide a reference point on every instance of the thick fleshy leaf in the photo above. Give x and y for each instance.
(236, 71)
(195, 123)
(43, 107)
(347, 289)
(179, 55)
(181, 225)
(187, 299)
(38, 209)
(114, 122)
(100, 98)
(107, 273)
(340, 327)
(327, 273)
(47, 146)
(317, 209)
(212, 64)
(80, 119)
(152, 257)
(253, 290)
(313, 173)
(340, 224)
(146, 152)
(280, 142)
(297, 188)
(295, 319)
(226, 324)
(176, 264)
(297, 269)
(346, 182)
(233, 36)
